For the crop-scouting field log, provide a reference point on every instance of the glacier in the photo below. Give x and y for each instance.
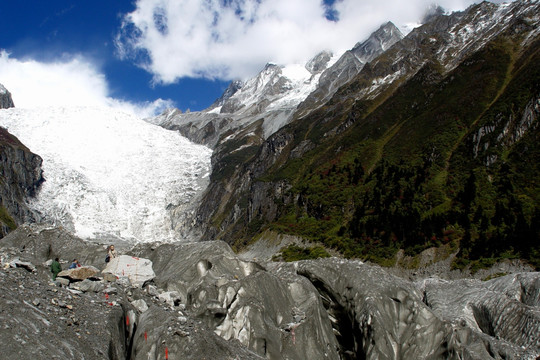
(108, 172)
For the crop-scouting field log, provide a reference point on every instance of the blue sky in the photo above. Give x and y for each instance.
(50, 30)
(182, 53)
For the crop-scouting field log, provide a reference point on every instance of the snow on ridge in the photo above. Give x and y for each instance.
(487, 23)
(296, 73)
(109, 173)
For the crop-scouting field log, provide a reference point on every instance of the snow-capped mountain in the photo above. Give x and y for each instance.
(275, 92)
(273, 95)
(109, 173)
(385, 94)
(447, 40)
(350, 64)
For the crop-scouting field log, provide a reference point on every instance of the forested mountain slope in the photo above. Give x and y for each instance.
(434, 142)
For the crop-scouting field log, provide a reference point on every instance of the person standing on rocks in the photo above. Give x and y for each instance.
(55, 268)
(111, 254)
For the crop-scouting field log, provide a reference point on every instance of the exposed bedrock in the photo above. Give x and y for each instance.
(206, 302)
(20, 180)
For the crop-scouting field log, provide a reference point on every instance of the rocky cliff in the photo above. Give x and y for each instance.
(21, 176)
(5, 98)
(207, 302)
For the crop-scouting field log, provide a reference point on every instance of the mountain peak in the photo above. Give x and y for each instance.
(379, 41)
(319, 62)
(432, 12)
(233, 87)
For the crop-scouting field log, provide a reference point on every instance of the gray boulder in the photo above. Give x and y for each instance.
(136, 270)
(17, 263)
(172, 298)
(88, 285)
(140, 305)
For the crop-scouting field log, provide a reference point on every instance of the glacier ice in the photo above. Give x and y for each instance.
(108, 172)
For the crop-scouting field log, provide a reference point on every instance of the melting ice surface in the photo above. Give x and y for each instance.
(109, 173)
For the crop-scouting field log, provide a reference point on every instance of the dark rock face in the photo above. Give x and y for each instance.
(21, 178)
(233, 87)
(5, 98)
(206, 302)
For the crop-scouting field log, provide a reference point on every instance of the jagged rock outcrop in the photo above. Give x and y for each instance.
(21, 178)
(233, 87)
(5, 98)
(21, 175)
(319, 63)
(223, 307)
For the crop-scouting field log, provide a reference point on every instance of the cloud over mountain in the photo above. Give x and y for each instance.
(72, 80)
(229, 39)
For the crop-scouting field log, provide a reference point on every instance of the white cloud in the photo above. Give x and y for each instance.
(72, 81)
(229, 39)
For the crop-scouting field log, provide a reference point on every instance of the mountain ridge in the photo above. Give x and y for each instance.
(374, 116)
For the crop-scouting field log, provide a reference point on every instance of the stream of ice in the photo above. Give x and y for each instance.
(108, 172)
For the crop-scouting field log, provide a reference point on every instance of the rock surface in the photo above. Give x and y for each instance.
(21, 177)
(5, 98)
(80, 273)
(43, 321)
(206, 302)
(136, 270)
(241, 300)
